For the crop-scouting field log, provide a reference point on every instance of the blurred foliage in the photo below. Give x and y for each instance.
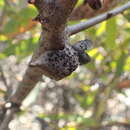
(92, 85)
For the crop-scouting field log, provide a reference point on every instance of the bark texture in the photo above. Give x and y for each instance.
(53, 16)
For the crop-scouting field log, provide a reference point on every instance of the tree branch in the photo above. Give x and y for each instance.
(53, 15)
(84, 11)
(53, 47)
(93, 21)
(110, 124)
(8, 117)
(3, 78)
(124, 84)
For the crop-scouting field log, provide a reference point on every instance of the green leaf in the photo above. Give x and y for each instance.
(21, 49)
(120, 64)
(111, 33)
(127, 16)
(1, 3)
(27, 14)
(101, 29)
(21, 19)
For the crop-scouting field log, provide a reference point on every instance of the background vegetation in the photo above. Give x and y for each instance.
(96, 96)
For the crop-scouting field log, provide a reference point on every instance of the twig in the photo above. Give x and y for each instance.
(89, 23)
(8, 117)
(124, 123)
(3, 78)
(79, 14)
(116, 123)
(113, 123)
(124, 84)
(7, 86)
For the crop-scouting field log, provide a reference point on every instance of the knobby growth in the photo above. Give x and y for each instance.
(54, 57)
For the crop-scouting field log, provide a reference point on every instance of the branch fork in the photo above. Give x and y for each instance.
(57, 59)
(54, 41)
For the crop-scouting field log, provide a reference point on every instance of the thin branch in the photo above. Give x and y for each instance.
(89, 23)
(52, 38)
(106, 124)
(8, 117)
(31, 24)
(110, 124)
(84, 11)
(124, 84)
(4, 80)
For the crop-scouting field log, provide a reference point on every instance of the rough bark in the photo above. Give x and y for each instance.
(53, 16)
(53, 37)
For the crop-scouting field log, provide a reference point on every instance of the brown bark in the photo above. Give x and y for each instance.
(84, 11)
(53, 37)
(124, 84)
